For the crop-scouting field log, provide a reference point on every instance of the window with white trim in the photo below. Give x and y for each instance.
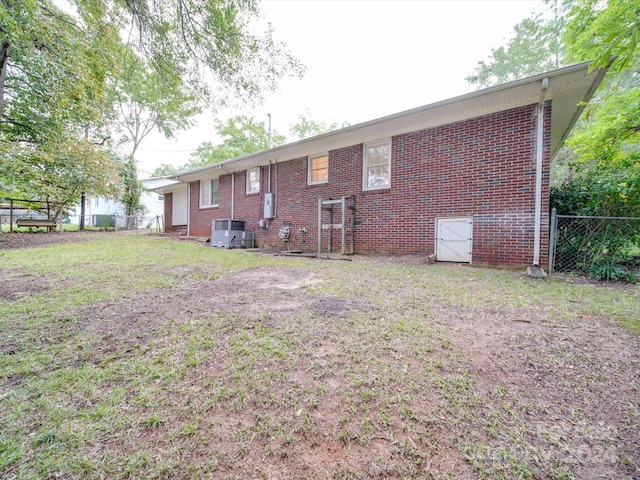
(377, 165)
(318, 168)
(253, 180)
(209, 193)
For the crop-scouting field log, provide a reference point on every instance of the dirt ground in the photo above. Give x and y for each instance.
(576, 385)
(36, 239)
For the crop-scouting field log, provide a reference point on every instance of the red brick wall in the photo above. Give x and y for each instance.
(483, 168)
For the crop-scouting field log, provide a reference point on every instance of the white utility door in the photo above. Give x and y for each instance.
(179, 208)
(454, 239)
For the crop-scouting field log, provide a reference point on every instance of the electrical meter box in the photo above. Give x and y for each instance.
(269, 205)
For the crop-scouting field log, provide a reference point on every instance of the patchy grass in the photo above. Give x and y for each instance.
(132, 356)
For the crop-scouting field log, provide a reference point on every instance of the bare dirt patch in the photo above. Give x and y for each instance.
(37, 239)
(569, 391)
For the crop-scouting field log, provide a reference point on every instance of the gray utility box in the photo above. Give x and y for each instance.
(227, 233)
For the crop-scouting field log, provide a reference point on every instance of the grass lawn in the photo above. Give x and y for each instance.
(133, 356)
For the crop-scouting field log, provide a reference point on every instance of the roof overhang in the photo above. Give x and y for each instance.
(161, 184)
(569, 89)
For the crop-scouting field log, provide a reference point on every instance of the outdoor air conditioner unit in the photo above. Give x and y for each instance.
(227, 233)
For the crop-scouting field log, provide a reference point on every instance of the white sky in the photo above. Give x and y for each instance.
(365, 59)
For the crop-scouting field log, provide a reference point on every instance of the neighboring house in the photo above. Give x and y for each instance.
(466, 179)
(103, 212)
(153, 201)
(99, 212)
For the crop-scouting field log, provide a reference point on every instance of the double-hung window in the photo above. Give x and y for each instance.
(318, 169)
(209, 193)
(377, 165)
(253, 180)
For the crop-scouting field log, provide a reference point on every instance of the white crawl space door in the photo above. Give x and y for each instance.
(454, 239)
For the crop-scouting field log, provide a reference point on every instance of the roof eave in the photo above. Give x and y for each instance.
(574, 83)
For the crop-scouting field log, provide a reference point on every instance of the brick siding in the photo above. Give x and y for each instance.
(482, 168)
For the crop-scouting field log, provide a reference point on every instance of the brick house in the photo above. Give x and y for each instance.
(466, 179)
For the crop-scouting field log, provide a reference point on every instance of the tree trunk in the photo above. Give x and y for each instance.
(4, 59)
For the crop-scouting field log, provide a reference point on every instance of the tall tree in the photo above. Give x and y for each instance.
(132, 188)
(306, 128)
(204, 42)
(55, 69)
(535, 47)
(52, 91)
(599, 31)
(146, 101)
(165, 170)
(241, 135)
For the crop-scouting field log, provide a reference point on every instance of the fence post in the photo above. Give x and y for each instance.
(552, 239)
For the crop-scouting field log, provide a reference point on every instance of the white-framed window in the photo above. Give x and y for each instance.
(253, 180)
(318, 169)
(209, 193)
(377, 165)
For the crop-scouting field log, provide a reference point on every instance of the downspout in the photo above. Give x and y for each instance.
(233, 191)
(188, 209)
(233, 195)
(538, 184)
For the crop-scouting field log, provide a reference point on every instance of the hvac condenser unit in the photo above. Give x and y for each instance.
(227, 233)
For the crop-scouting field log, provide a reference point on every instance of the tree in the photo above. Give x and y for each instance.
(146, 101)
(612, 131)
(306, 128)
(598, 32)
(55, 69)
(536, 47)
(165, 170)
(52, 94)
(213, 45)
(241, 136)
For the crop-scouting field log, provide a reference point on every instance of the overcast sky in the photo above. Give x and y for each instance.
(365, 59)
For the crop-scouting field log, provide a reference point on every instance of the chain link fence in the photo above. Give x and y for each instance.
(605, 248)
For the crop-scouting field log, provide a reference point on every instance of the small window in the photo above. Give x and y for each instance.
(318, 169)
(253, 180)
(209, 193)
(377, 165)
(160, 197)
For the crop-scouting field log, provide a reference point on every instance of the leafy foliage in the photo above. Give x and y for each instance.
(598, 32)
(306, 128)
(242, 136)
(148, 101)
(53, 89)
(62, 75)
(132, 188)
(604, 189)
(535, 47)
(597, 246)
(190, 38)
(165, 170)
